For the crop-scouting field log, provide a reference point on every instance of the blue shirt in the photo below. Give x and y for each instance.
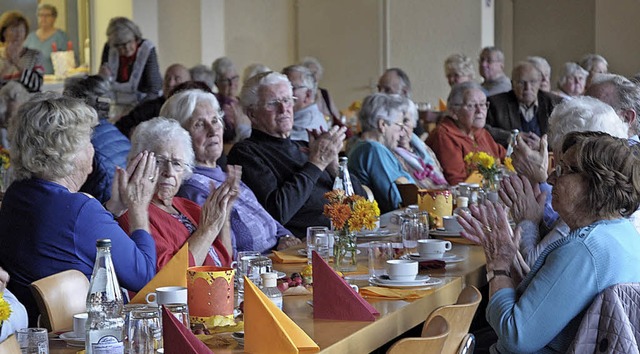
(44, 47)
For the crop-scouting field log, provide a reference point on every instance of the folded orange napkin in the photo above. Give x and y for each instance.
(334, 299)
(376, 292)
(282, 257)
(474, 177)
(269, 330)
(442, 105)
(179, 339)
(174, 273)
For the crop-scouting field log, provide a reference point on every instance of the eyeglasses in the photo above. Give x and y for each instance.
(522, 83)
(299, 87)
(473, 106)
(275, 104)
(177, 165)
(563, 171)
(123, 44)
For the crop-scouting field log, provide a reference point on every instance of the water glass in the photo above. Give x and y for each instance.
(414, 227)
(379, 252)
(317, 240)
(144, 331)
(240, 264)
(181, 312)
(33, 340)
(256, 266)
(126, 313)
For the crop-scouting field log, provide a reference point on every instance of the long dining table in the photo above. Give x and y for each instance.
(396, 316)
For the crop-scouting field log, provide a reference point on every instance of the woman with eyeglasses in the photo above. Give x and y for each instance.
(462, 131)
(252, 228)
(130, 62)
(175, 220)
(595, 189)
(371, 158)
(18, 63)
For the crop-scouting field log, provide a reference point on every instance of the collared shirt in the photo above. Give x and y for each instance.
(528, 112)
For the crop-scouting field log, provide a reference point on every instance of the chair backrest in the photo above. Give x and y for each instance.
(408, 193)
(10, 345)
(459, 317)
(59, 297)
(431, 344)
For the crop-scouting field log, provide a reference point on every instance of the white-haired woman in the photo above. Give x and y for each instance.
(594, 64)
(130, 62)
(458, 68)
(371, 159)
(252, 228)
(529, 209)
(572, 82)
(57, 226)
(175, 220)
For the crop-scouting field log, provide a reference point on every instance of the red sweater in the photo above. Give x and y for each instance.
(170, 234)
(451, 145)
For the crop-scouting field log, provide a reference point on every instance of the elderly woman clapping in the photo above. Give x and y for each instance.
(596, 186)
(252, 228)
(174, 220)
(46, 226)
(371, 159)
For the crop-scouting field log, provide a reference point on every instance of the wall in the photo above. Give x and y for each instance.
(616, 34)
(101, 12)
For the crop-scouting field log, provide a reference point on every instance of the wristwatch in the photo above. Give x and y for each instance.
(497, 272)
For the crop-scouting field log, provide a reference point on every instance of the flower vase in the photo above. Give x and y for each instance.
(344, 251)
(491, 186)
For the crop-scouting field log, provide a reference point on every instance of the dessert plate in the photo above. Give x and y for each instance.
(401, 285)
(447, 257)
(72, 340)
(444, 233)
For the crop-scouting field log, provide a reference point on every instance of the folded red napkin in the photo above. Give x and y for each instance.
(432, 264)
(179, 339)
(333, 297)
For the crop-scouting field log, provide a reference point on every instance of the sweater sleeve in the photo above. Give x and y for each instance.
(151, 80)
(548, 304)
(449, 153)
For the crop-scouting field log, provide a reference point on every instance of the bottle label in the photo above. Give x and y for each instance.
(107, 345)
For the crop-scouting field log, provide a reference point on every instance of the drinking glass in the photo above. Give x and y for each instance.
(33, 340)
(317, 240)
(240, 264)
(181, 311)
(144, 331)
(256, 266)
(379, 252)
(414, 227)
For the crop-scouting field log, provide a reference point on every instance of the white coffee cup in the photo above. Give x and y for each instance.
(451, 223)
(402, 269)
(432, 248)
(168, 295)
(354, 287)
(79, 324)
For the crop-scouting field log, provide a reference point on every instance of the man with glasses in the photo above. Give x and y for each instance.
(491, 65)
(525, 107)
(289, 177)
(306, 114)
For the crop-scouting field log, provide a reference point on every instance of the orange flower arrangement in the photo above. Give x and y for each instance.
(352, 213)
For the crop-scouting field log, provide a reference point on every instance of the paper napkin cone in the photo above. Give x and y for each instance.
(333, 297)
(442, 105)
(179, 339)
(474, 177)
(269, 330)
(174, 273)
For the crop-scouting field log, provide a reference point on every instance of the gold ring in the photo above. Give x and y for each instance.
(151, 178)
(488, 228)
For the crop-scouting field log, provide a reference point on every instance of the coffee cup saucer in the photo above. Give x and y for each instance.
(420, 278)
(71, 339)
(447, 257)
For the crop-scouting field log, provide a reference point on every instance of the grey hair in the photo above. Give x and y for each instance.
(380, 106)
(541, 64)
(182, 104)
(221, 66)
(159, 132)
(456, 95)
(459, 63)
(12, 91)
(581, 114)
(491, 50)
(406, 83)
(93, 90)
(204, 74)
(412, 109)
(589, 60)
(308, 61)
(522, 65)
(249, 93)
(308, 80)
(627, 94)
(54, 11)
(50, 131)
(571, 69)
(120, 28)
(252, 70)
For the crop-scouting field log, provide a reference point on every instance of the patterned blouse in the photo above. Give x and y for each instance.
(29, 71)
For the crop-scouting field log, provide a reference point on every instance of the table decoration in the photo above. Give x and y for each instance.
(178, 338)
(490, 169)
(211, 295)
(174, 273)
(349, 214)
(5, 163)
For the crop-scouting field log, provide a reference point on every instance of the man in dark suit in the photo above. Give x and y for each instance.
(525, 107)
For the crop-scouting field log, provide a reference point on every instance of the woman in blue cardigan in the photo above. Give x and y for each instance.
(596, 186)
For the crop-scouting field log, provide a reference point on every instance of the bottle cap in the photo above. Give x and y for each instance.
(343, 159)
(269, 279)
(462, 202)
(103, 242)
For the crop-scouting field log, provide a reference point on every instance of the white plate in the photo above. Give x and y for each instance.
(72, 340)
(376, 233)
(424, 284)
(420, 278)
(239, 337)
(444, 233)
(447, 257)
(281, 274)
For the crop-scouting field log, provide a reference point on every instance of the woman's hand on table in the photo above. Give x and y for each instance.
(287, 241)
(525, 201)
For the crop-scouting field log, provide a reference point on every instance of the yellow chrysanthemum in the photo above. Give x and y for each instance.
(355, 106)
(509, 164)
(364, 215)
(5, 309)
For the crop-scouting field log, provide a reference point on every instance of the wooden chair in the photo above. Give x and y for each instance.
(59, 297)
(10, 345)
(459, 317)
(408, 193)
(432, 343)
